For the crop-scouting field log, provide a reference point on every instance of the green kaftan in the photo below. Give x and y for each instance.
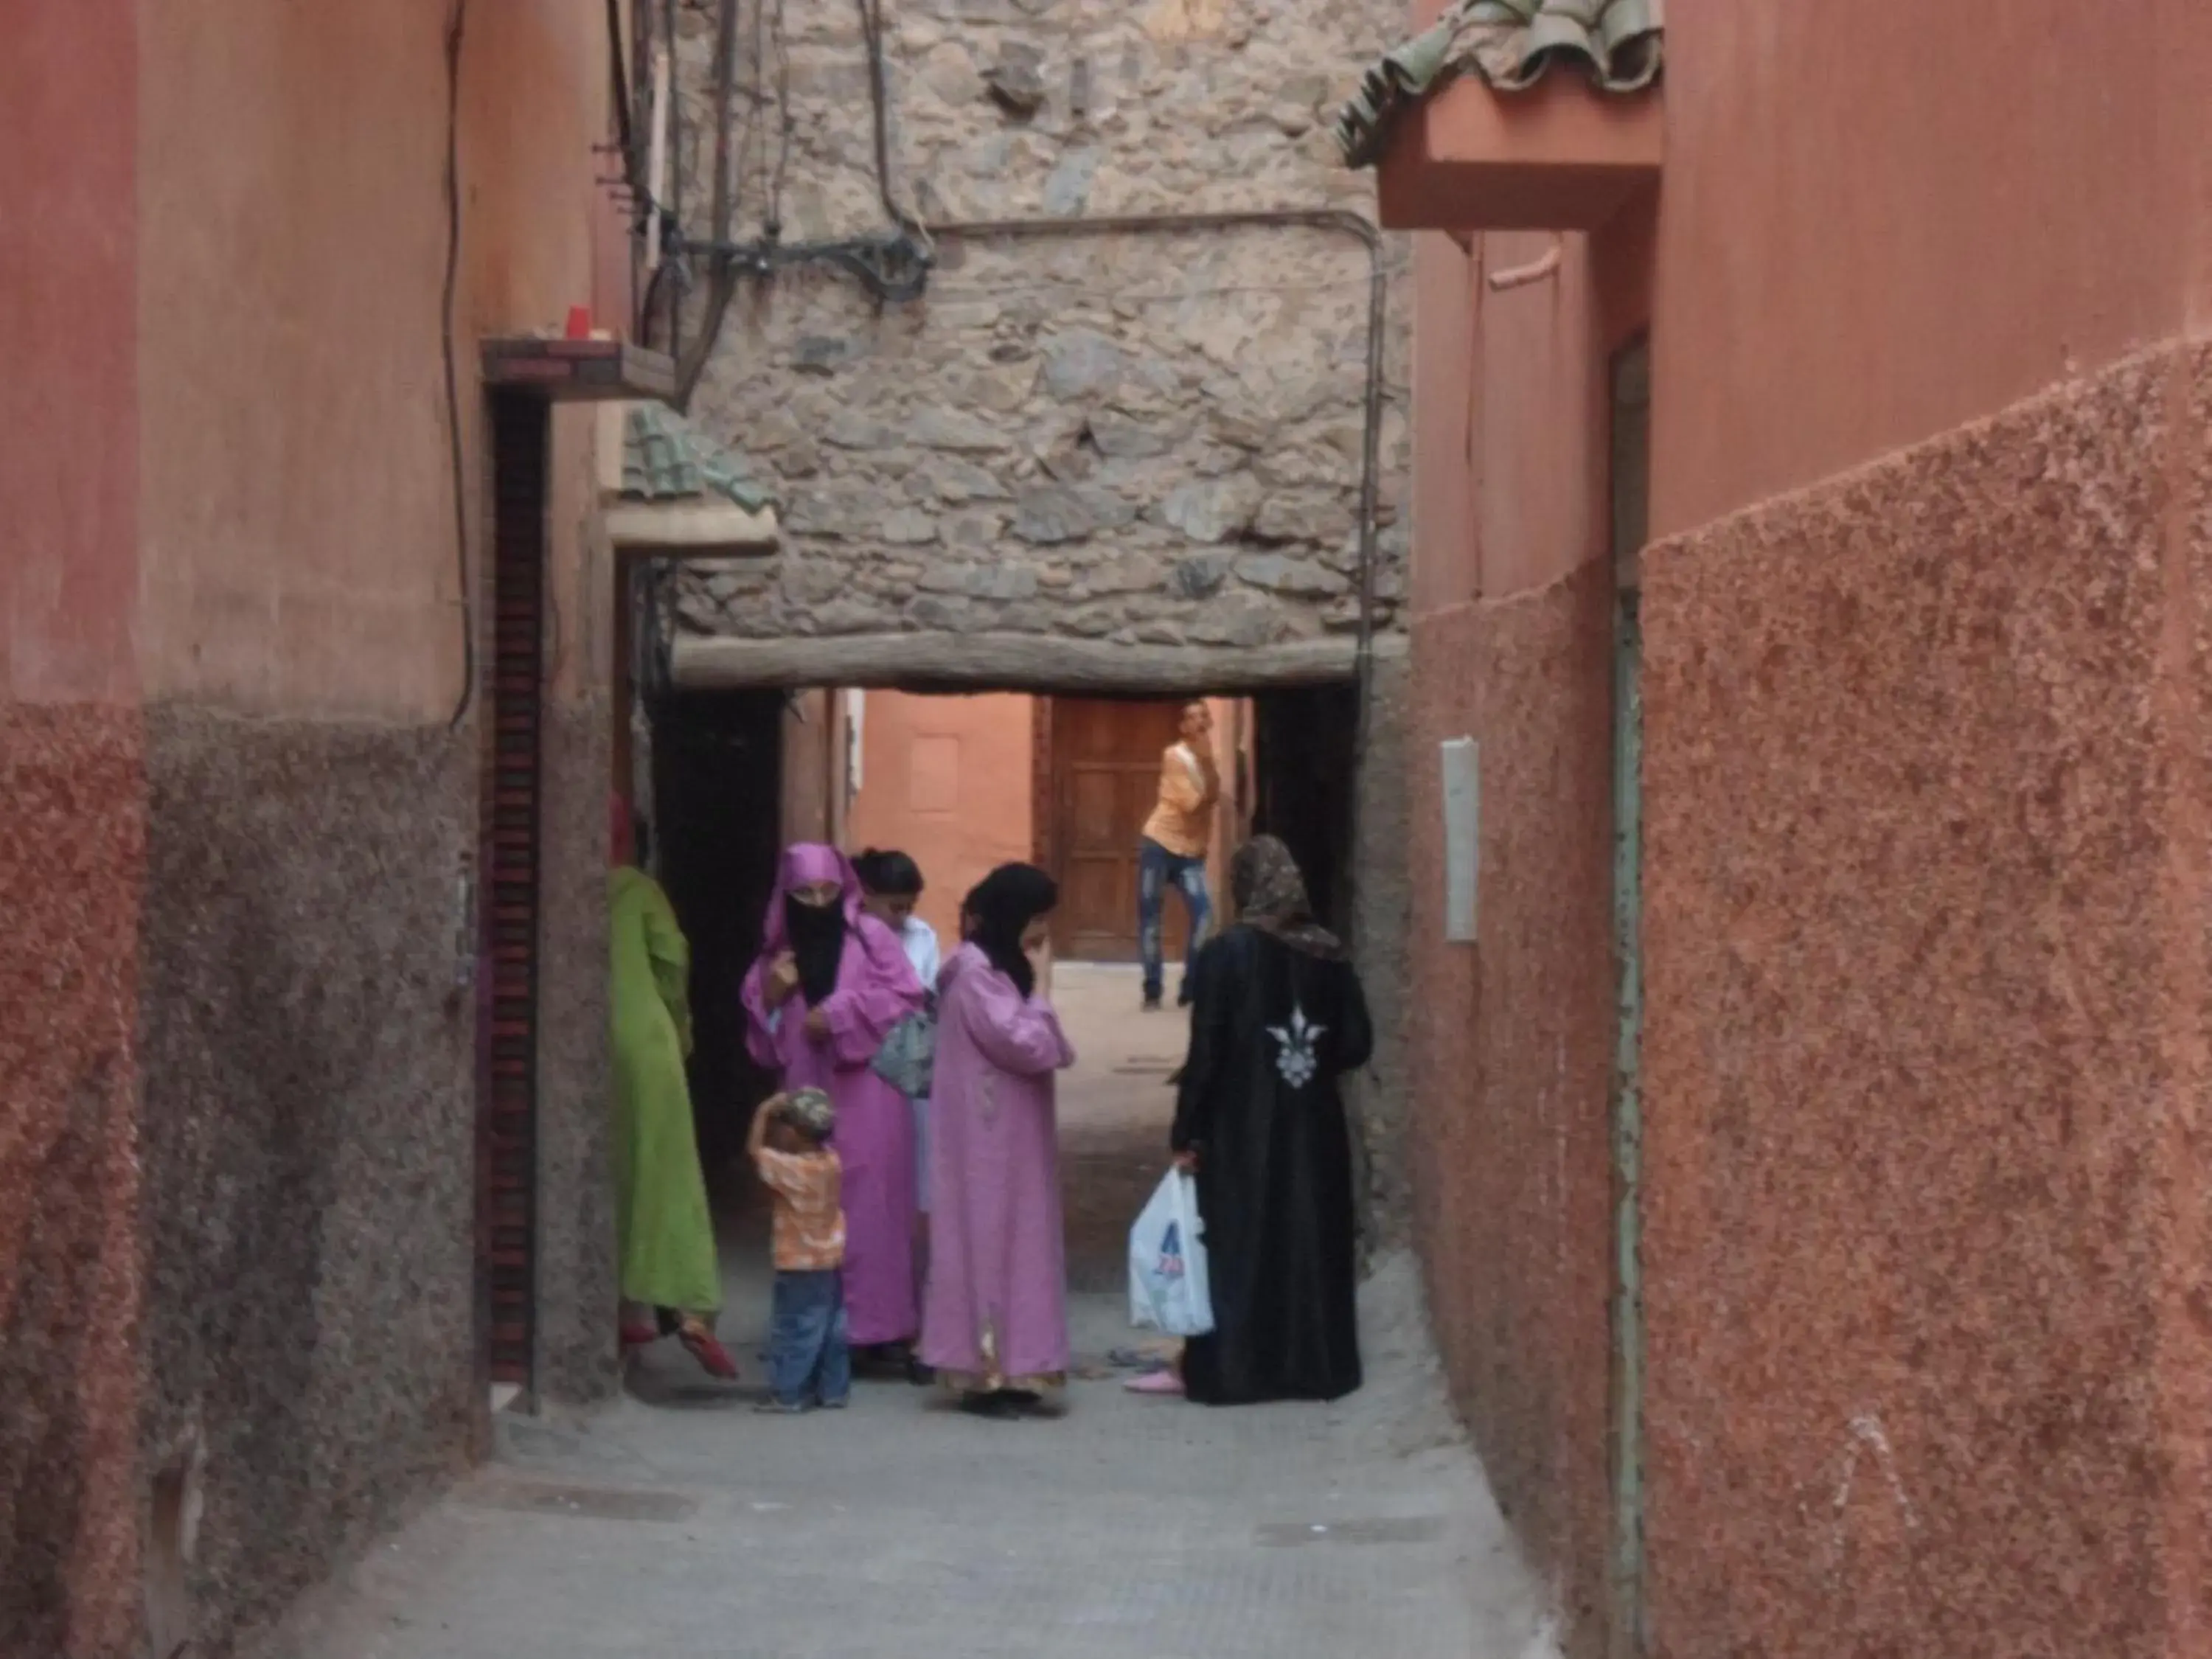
(666, 1238)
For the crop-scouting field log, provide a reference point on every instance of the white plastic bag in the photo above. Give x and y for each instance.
(1168, 1289)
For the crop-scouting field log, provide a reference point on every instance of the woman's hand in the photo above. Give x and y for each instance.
(817, 1025)
(1186, 1161)
(782, 980)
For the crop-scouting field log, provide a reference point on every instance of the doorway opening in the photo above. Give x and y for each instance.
(713, 838)
(963, 782)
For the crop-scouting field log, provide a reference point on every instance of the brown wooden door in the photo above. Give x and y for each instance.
(1105, 762)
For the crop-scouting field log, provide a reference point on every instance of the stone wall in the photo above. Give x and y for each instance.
(1144, 438)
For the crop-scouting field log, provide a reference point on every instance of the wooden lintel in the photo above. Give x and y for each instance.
(578, 371)
(1015, 662)
(691, 526)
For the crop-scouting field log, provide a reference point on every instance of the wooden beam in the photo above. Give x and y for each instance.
(1015, 662)
(578, 371)
(691, 526)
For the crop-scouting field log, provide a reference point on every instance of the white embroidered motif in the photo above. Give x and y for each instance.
(1294, 1049)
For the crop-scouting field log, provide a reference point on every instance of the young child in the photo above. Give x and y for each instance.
(809, 1362)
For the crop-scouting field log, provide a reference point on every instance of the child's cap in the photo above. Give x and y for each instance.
(810, 1111)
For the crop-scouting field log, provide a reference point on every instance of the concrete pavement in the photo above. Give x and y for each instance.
(676, 1522)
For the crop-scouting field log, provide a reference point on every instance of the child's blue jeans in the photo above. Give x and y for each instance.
(809, 1361)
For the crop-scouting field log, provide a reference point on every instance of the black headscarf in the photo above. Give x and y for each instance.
(818, 945)
(1002, 905)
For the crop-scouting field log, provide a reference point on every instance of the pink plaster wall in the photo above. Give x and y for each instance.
(72, 843)
(297, 481)
(1926, 634)
(947, 780)
(1851, 261)
(226, 483)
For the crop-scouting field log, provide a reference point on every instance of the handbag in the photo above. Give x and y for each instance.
(907, 1059)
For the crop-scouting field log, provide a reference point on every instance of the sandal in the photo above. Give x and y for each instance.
(635, 1334)
(1159, 1382)
(701, 1344)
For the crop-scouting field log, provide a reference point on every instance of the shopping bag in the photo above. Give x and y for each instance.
(1168, 1289)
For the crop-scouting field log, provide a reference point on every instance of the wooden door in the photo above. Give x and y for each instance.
(1104, 757)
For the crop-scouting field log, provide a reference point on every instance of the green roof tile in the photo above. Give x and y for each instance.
(665, 458)
(1511, 44)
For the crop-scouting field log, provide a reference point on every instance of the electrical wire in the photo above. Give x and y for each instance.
(456, 22)
(786, 123)
(879, 110)
(944, 291)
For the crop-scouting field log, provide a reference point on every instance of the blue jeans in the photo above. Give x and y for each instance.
(808, 1359)
(1157, 869)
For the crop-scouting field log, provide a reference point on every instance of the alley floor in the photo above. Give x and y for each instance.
(678, 1522)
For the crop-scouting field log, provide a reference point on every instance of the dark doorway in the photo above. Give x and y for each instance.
(717, 770)
(1305, 752)
(511, 827)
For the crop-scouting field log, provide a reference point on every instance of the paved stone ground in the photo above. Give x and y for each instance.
(678, 1522)
(1115, 1109)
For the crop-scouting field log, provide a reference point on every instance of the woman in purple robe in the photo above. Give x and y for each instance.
(996, 1324)
(829, 984)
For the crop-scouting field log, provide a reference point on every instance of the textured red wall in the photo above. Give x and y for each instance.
(72, 834)
(1925, 1143)
(1925, 865)
(1513, 645)
(1511, 1151)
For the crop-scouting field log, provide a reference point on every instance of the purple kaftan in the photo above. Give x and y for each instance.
(876, 989)
(997, 1308)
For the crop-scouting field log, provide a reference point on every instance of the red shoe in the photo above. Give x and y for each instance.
(703, 1346)
(638, 1334)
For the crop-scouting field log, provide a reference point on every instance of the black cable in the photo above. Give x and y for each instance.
(871, 35)
(619, 75)
(455, 23)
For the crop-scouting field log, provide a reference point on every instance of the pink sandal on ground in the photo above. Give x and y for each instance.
(1159, 1382)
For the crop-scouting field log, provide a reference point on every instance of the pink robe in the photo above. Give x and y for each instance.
(997, 1307)
(874, 1136)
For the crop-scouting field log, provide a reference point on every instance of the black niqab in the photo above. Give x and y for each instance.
(817, 932)
(1001, 908)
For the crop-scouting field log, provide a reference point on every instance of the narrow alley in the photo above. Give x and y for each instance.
(621, 620)
(678, 1522)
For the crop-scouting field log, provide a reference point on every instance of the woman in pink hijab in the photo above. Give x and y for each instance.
(829, 984)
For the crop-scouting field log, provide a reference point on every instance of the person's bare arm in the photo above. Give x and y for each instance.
(756, 1137)
(1203, 749)
(1178, 788)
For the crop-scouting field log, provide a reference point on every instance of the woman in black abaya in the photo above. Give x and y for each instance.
(1277, 1017)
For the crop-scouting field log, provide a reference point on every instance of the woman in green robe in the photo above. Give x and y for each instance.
(671, 1283)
